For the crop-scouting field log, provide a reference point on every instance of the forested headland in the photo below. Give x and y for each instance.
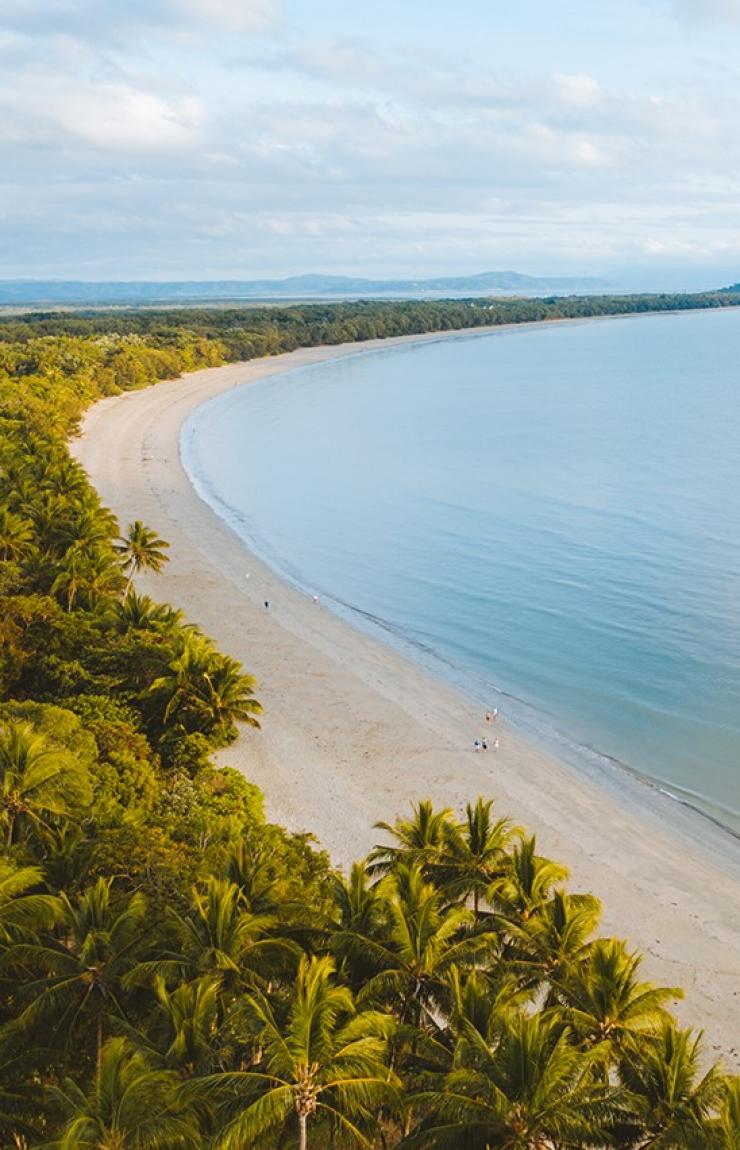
(176, 972)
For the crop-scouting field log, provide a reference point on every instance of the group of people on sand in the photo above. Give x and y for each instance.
(482, 744)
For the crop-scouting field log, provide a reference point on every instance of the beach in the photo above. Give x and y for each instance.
(354, 732)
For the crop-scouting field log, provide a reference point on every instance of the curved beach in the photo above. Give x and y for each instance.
(353, 731)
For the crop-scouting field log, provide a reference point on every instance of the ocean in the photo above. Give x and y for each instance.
(549, 517)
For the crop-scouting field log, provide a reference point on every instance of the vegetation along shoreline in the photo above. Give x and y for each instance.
(179, 972)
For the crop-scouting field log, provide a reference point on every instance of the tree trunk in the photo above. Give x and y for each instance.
(99, 1041)
(302, 1131)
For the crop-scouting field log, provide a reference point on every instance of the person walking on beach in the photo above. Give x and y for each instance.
(477, 745)
(484, 744)
(267, 604)
(495, 744)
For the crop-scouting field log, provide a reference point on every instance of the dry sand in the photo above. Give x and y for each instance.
(353, 731)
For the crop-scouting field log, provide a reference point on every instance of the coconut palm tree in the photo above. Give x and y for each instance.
(418, 840)
(424, 941)
(90, 528)
(224, 696)
(87, 575)
(64, 476)
(360, 906)
(324, 1065)
(603, 999)
(16, 535)
(547, 946)
(359, 912)
(177, 688)
(81, 987)
(140, 613)
(257, 873)
(141, 549)
(669, 1104)
(221, 936)
(527, 882)
(530, 1088)
(473, 854)
(185, 1026)
(37, 781)
(205, 691)
(725, 1130)
(23, 914)
(130, 1106)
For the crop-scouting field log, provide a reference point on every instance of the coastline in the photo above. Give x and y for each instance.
(354, 731)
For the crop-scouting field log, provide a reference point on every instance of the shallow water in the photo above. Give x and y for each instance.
(553, 512)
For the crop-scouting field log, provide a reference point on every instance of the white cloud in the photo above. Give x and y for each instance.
(234, 15)
(117, 116)
(695, 11)
(106, 19)
(209, 136)
(579, 91)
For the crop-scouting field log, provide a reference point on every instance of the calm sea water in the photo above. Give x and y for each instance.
(554, 513)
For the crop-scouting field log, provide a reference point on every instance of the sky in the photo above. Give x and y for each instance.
(208, 139)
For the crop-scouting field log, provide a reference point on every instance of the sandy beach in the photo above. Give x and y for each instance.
(353, 731)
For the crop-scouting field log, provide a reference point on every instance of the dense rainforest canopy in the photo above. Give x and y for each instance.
(175, 972)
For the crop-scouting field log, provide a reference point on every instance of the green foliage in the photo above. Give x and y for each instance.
(174, 971)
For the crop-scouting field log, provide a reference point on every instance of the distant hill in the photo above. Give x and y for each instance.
(295, 287)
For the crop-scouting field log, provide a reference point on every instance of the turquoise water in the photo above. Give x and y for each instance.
(552, 513)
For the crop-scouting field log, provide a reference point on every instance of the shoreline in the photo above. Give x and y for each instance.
(354, 731)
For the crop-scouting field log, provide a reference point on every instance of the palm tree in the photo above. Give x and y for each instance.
(359, 903)
(548, 945)
(141, 549)
(64, 476)
(257, 873)
(530, 1088)
(205, 691)
(473, 854)
(139, 612)
(671, 1107)
(326, 1063)
(221, 936)
(420, 839)
(23, 914)
(604, 1000)
(90, 528)
(130, 1106)
(16, 535)
(225, 695)
(85, 966)
(37, 780)
(178, 686)
(360, 912)
(89, 574)
(186, 1024)
(424, 941)
(527, 882)
(725, 1131)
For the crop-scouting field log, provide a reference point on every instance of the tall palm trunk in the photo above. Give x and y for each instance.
(302, 1131)
(99, 1040)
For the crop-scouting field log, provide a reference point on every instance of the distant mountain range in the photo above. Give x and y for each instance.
(295, 287)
